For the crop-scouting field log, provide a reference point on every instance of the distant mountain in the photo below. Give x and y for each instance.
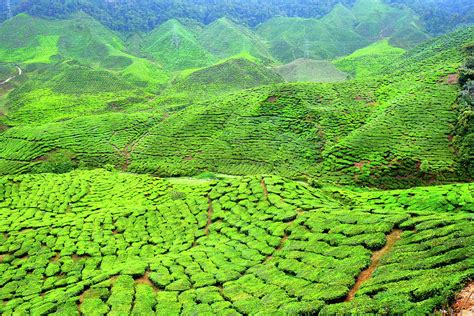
(176, 47)
(30, 40)
(342, 31)
(228, 76)
(224, 38)
(437, 15)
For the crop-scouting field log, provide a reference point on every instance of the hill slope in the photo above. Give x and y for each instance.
(176, 48)
(70, 68)
(97, 241)
(308, 70)
(28, 40)
(225, 38)
(342, 31)
(370, 60)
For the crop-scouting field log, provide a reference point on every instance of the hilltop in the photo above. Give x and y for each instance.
(176, 47)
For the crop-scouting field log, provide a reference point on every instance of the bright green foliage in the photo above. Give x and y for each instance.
(224, 39)
(126, 244)
(28, 40)
(370, 60)
(293, 38)
(234, 74)
(233, 134)
(176, 47)
(364, 131)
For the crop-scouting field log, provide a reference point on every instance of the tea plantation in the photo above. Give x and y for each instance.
(97, 242)
(301, 166)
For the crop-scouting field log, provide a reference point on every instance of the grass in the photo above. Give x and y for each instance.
(308, 70)
(102, 241)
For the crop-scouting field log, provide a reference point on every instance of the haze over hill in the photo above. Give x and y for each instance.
(236, 157)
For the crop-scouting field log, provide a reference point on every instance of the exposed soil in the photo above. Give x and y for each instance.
(376, 256)
(210, 210)
(272, 99)
(265, 190)
(452, 79)
(464, 304)
(278, 248)
(145, 280)
(361, 164)
(188, 158)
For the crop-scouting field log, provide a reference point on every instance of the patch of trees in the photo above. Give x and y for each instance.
(465, 125)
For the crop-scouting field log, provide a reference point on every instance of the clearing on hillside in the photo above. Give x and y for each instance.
(310, 70)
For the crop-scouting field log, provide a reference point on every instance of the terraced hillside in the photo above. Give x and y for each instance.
(224, 38)
(281, 129)
(301, 166)
(176, 47)
(69, 68)
(364, 131)
(99, 242)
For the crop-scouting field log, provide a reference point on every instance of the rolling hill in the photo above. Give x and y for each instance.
(176, 47)
(356, 132)
(370, 60)
(224, 39)
(342, 31)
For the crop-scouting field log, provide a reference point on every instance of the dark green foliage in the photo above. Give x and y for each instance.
(464, 129)
(439, 16)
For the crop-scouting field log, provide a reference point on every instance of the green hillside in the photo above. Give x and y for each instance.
(176, 47)
(224, 39)
(28, 40)
(308, 70)
(413, 134)
(70, 68)
(102, 242)
(280, 129)
(228, 76)
(342, 31)
(370, 60)
(365, 132)
(318, 163)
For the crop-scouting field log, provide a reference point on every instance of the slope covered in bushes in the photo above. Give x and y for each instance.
(103, 242)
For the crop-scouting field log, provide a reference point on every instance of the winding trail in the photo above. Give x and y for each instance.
(20, 72)
(393, 237)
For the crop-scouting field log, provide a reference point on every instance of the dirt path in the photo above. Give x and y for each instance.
(127, 151)
(210, 211)
(464, 305)
(264, 187)
(20, 72)
(376, 256)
